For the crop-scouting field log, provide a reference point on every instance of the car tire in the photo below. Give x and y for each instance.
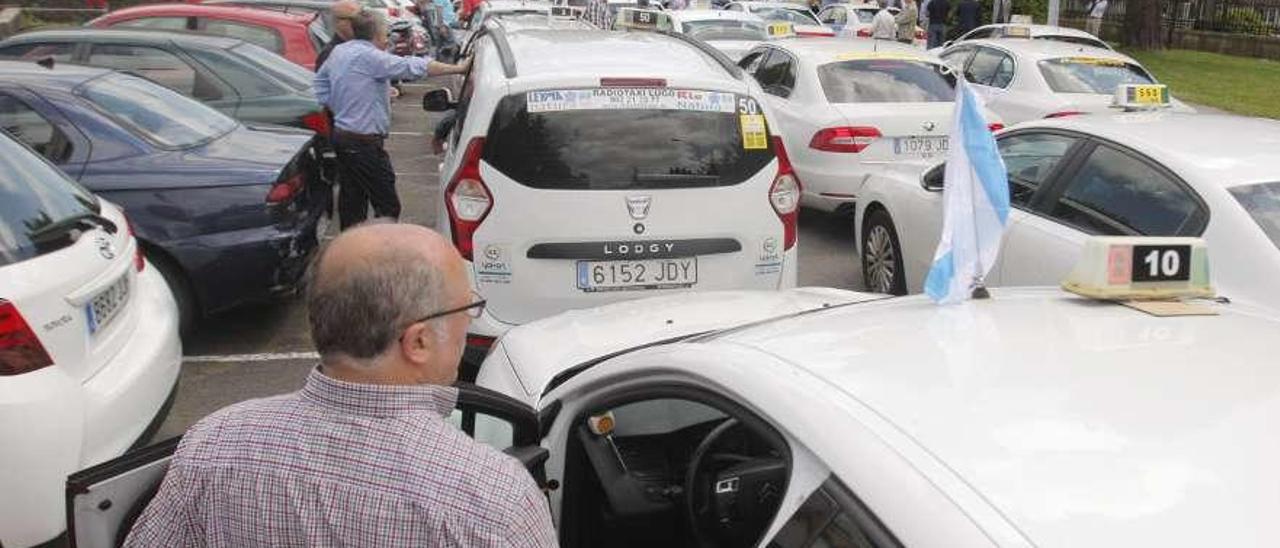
(188, 311)
(882, 255)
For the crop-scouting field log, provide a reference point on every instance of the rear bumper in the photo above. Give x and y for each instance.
(231, 268)
(81, 423)
(830, 189)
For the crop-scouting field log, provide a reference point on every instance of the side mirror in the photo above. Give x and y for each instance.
(438, 100)
(933, 179)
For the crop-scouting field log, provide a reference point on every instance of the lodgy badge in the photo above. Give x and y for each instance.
(638, 249)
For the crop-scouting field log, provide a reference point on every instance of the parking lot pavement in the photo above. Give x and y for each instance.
(264, 349)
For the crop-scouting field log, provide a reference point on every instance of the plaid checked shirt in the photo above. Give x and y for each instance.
(342, 464)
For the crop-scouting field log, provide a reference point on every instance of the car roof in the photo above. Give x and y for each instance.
(61, 76)
(1041, 30)
(1187, 142)
(826, 50)
(1083, 423)
(707, 15)
(142, 36)
(521, 22)
(195, 10)
(546, 52)
(1049, 49)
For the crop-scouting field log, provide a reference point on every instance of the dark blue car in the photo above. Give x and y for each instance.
(227, 212)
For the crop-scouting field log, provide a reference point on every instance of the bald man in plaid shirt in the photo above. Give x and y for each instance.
(362, 456)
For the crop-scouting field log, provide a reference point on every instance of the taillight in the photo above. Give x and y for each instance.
(995, 126)
(317, 122)
(844, 139)
(20, 350)
(784, 195)
(285, 190)
(467, 199)
(864, 33)
(139, 259)
(1064, 114)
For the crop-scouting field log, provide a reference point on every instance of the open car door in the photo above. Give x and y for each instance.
(104, 501)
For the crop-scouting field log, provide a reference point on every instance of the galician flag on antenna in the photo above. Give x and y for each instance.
(975, 204)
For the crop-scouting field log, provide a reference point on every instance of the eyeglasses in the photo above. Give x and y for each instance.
(473, 310)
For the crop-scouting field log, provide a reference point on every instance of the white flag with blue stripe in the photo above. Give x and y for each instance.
(975, 204)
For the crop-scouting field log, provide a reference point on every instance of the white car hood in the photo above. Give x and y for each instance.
(540, 350)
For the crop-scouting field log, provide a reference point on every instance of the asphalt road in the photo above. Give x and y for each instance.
(265, 349)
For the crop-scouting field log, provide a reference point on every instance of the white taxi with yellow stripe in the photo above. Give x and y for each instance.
(846, 108)
(1026, 79)
(732, 32)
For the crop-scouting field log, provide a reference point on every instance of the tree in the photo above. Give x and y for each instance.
(1142, 25)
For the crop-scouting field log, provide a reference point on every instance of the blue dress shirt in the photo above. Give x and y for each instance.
(355, 83)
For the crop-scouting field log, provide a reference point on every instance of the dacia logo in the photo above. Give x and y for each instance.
(928, 126)
(105, 247)
(638, 206)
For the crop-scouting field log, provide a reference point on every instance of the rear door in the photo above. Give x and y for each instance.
(104, 501)
(41, 126)
(604, 194)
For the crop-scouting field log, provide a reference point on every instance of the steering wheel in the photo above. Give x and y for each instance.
(730, 497)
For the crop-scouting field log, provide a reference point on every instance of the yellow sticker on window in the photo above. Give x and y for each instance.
(1095, 61)
(754, 134)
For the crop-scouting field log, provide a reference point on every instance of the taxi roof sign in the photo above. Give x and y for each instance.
(638, 19)
(1126, 268)
(1141, 96)
(564, 12)
(1017, 31)
(780, 29)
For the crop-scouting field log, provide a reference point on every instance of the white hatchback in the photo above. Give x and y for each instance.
(89, 348)
(588, 167)
(846, 108)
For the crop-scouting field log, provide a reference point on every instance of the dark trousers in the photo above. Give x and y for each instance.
(366, 177)
(937, 34)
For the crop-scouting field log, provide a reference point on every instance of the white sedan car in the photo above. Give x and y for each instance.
(732, 32)
(846, 108)
(1151, 174)
(89, 348)
(1032, 32)
(1032, 79)
(805, 23)
(853, 20)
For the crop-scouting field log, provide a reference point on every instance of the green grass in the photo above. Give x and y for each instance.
(1243, 85)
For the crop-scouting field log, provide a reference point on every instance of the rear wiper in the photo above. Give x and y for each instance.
(79, 221)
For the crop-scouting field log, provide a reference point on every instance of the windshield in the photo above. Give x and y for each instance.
(1262, 201)
(886, 81)
(155, 112)
(587, 140)
(34, 195)
(864, 16)
(795, 16)
(1091, 75)
(289, 73)
(725, 29)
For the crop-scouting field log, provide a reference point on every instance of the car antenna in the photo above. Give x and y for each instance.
(47, 62)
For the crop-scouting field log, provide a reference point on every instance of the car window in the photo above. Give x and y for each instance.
(34, 195)
(265, 37)
(734, 7)
(1091, 75)
(886, 81)
(832, 15)
(796, 16)
(751, 61)
(979, 34)
(578, 140)
(154, 64)
(777, 74)
(155, 23)
(990, 68)
(249, 81)
(28, 126)
(1115, 193)
(59, 51)
(156, 113)
(726, 29)
(284, 70)
(832, 517)
(865, 16)
(1262, 202)
(956, 58)
(1030, 158)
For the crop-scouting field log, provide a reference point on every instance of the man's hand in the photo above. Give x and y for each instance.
(437, 68)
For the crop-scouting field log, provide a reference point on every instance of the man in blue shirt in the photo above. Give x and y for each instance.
(355, 84)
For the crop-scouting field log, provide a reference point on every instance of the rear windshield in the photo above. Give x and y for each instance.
(592, 139)
(1262, 201)
(1091, 75)
(864, 16)
(291, 74)
(155, 112)
(794, 16)
(725, 29)
(34, 195)
(1078, 40)
(886, 81)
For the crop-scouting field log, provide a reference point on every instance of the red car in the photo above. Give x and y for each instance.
(297, 37)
